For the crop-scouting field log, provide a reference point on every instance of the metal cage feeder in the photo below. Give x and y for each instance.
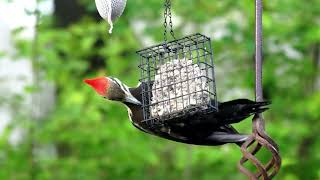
(178, 80)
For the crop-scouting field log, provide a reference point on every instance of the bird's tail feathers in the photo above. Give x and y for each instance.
(238, 110)
(257, 107)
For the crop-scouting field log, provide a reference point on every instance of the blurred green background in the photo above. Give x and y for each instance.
(83, 136)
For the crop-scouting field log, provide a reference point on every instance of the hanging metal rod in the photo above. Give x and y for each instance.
(249, 149)
(258, 53)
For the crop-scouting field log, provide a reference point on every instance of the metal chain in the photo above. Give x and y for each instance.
(168, 14)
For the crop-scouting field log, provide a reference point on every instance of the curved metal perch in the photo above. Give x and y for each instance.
(259, 136)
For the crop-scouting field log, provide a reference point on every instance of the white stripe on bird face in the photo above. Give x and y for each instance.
(138, 84)
(130, 114)
(129, 97)
(134, 123)
(120, 84)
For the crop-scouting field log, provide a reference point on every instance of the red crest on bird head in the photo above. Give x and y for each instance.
(99, 84)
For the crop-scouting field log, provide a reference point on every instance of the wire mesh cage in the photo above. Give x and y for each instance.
(177, 79)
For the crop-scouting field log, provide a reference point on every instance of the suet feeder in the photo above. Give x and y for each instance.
(177, 77)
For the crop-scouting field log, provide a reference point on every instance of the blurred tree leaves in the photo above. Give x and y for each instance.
(85, 137)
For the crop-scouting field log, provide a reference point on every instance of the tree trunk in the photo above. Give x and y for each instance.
(67, 12)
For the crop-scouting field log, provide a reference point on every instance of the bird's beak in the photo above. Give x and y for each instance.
(133, 100)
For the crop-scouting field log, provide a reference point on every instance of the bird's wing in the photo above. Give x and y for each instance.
(229, 129)
(141, 128)
(224, 137)
(225, 134)
(220, 136)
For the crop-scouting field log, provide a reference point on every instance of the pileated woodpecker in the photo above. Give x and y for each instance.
(214, 129)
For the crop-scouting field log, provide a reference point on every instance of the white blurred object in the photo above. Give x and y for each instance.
(110, 10)
(17, 74)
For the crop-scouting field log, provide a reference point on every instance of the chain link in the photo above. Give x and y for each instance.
(168, 14)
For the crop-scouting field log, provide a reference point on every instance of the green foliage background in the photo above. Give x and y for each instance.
(93, 139)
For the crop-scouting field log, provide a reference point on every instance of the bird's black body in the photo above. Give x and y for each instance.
(211, 129)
